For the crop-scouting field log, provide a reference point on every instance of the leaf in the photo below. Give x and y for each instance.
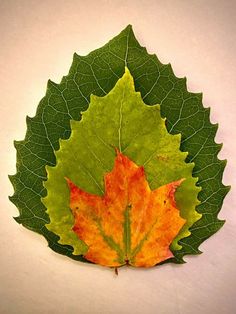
(120, 119)
(97, 73)
(130, 224)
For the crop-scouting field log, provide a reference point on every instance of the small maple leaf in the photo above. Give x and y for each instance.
(130, 224)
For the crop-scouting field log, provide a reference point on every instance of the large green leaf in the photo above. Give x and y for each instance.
(97, 73)
(121, 120)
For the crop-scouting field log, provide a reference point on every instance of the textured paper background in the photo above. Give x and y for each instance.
(37, 41)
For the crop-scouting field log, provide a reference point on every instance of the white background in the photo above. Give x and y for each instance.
(37, 41)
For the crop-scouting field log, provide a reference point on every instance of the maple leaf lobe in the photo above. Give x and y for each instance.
(129, 224)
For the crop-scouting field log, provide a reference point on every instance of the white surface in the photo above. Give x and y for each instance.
(37, 41)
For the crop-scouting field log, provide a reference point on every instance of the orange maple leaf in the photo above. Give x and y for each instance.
(130, 224)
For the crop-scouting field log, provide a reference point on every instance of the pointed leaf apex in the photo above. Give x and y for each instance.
(127, 78)
(128, 29)
(76, 55)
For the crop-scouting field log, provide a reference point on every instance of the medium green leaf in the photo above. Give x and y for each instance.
(97, 73)
(121, 120)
